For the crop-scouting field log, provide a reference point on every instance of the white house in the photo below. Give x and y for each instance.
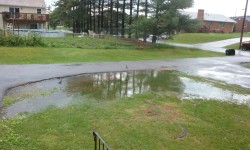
(23, 14)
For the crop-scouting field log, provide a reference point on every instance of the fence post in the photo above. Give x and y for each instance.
(95, 139)
(104, 144)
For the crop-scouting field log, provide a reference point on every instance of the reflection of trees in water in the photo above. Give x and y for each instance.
(161, 81)
(123, 84)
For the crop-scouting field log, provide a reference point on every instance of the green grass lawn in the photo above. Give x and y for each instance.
(90, 42)
(195, 38)
(89, 49)
(148, 121)
(39, 55)
(233, 46)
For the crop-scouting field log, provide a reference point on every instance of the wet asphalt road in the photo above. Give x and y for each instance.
(226, 69)
(214, 46)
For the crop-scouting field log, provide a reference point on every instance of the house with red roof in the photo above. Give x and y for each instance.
(213, 22)
(23, 14)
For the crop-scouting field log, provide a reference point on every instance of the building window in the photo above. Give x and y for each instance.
(39, 11)
(222, 24)
(14, 10)
(33, 26)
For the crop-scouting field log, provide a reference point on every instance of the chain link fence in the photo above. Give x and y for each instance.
(33, 32)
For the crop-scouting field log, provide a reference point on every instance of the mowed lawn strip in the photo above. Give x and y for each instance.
(195, 38)
(148, 121)
(47, 55)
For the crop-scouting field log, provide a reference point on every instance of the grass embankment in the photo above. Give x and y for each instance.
(195, 38)
(247, 65)
(233, 46)
(149, 121)
(68, 49)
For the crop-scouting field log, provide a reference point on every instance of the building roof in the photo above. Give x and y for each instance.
(241, 17)
(210, 17)
(24, 3)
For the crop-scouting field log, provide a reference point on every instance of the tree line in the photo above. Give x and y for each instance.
(120, 17)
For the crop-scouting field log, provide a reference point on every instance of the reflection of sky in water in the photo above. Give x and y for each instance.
(108, 86)
(205, 91)
(240, 78)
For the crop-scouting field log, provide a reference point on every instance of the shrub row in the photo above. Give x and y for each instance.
(21, 41)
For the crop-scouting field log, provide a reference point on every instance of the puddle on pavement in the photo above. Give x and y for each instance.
(109, 86)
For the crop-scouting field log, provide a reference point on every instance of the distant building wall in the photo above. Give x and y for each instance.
(25, 25)
(238, 26)
(219, 26)
(22, 9)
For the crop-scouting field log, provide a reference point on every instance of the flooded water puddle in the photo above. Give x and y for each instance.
(109, 86)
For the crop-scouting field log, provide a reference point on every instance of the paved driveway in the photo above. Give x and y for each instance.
(214, 46)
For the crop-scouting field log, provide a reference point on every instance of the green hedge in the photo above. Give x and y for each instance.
(21, 41)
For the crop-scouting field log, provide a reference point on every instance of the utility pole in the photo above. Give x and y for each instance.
(243, 24)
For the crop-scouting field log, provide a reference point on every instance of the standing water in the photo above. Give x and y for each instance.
(110, 86)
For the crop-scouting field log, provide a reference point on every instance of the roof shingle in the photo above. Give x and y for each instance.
(24, 3)
(210, 17)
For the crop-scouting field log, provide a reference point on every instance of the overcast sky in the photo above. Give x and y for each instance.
(225, 7)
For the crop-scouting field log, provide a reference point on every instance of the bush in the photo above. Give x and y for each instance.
(21, 41)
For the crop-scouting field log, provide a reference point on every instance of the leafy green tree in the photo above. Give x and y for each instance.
(188, 25)
(159, 15)
(143, 25)
(165, 13)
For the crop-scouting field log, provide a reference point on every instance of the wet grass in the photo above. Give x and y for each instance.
(47, 55)
(246, 64)
(9, 100)
(148, 121)
(195, 38)
(219, 84)
(90, 43)
(233, 46)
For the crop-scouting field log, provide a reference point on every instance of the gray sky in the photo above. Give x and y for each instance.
(225, 7)
(228, 8)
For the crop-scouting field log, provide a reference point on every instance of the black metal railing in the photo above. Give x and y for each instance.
(99, 142)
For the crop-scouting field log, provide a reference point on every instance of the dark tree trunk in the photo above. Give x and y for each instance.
(87, 17)
(123, 18)
(111, 17)
(155, 30)
(146, 16)
(130, 17)
(90, 16)
(102, 22)
(137, 15)
(117, 16)
(137, 10)
(99, 16)
(94, 23)
(106, 18)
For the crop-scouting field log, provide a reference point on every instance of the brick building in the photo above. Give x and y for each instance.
(239, 22)
(213, 22)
